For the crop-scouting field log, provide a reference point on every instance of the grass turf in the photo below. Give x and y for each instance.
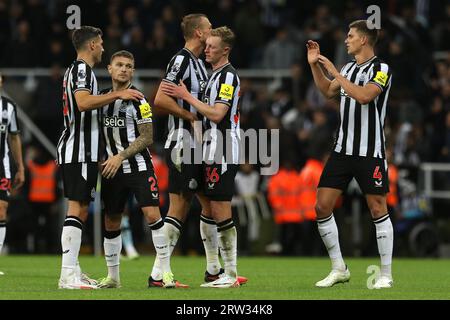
(270, 278)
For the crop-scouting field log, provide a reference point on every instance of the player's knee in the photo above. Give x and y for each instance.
(377, 206)
(323, 209)
(113, 221)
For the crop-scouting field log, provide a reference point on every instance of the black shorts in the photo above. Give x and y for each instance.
(79, 180)
(116, 191)
(184, 178)
(370, 173)
(219, 186)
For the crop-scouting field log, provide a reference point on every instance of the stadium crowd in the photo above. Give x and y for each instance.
(270, 35)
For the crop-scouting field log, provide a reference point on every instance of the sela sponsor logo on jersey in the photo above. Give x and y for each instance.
(114, 122)
(173, 71)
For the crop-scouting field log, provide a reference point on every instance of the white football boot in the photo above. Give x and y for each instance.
(383, 282)
(335, 276)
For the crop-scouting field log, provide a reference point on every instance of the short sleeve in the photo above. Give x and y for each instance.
(81, 77)
(176, 69)
(226, 88)
(13, 126)
(381, 75)
(142, 111)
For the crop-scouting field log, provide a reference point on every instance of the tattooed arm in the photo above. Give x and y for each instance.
(144, 140)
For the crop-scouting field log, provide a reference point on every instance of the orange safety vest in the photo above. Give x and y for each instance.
(392, 196)
(42, 182)
(309, 180)
(283, 195)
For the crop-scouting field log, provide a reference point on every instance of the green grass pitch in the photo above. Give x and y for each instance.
(270, 278)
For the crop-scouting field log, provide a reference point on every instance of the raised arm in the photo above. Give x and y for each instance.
(329, 88)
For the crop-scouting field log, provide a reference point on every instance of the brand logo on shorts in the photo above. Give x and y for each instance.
(378, 176)
(211, 185)
(155, 195)
(3, 127)
(193, 184)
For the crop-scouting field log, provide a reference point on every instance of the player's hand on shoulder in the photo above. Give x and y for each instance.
(131, 94)
(173, 90)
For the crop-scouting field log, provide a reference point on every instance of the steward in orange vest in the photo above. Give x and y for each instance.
(42, 181)
(309, 180)
(284, 196)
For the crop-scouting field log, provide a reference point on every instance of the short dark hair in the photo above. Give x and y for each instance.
(361, 26)
(83, 35)
(225, 34)
(122, 53)
(190, 23)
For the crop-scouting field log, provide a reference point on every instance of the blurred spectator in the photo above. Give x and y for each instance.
(160, 47)
(47, 108)
(281, 52)
(23, 47)
(249, 34)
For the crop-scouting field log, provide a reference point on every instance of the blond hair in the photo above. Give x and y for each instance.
(225, 34)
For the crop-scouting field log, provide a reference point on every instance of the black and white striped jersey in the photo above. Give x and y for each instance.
(187, 67)
(79, 141)
(223, 87)
(361, 129)
(8, 125)
(120, 128)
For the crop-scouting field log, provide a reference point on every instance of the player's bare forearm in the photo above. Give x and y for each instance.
(144, 140)
(363, 95)
(87, 101)
(16, 150)
(321, 81)
(215, 113)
